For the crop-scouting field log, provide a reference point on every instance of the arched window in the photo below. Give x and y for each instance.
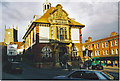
(74, 53)
(46, 52)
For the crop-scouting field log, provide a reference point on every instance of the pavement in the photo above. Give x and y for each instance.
(112, 69)
(108, 69)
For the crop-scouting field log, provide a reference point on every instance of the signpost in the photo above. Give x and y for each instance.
(12, 50)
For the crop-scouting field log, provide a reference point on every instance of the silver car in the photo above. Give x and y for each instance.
(86, 75)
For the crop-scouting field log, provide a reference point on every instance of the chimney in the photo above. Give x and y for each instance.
(113, 34)
(89, 39)
(86, 40)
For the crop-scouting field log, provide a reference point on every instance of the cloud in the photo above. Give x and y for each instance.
(19, 14)
(99, 18)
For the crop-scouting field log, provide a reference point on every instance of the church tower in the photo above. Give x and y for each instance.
(10, 35)
(46, 6)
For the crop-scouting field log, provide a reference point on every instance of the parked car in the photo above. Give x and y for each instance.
(97, 67)
(86, 75)
(13, 67)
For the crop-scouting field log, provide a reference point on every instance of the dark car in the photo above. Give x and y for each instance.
(86, 75)
(97, 67)
(13, 67)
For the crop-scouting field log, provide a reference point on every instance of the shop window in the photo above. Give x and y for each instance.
(116, 62)
(109, 62)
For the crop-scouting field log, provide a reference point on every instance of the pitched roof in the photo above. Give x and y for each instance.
(44, 18)
(72, 22)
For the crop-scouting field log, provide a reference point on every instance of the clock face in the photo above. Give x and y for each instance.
(8, 32)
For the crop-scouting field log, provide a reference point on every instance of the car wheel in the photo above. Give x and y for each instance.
(100, 68)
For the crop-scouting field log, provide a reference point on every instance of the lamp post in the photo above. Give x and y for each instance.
(86, 56)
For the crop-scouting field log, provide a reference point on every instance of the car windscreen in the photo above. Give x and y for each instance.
(108, 76)
(84, 75)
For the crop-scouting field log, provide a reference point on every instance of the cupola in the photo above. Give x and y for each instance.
(46, 6)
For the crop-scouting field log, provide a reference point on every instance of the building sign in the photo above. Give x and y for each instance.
(12, 50)
(61, 21)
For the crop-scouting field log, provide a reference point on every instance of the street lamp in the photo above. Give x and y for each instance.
(86, 56)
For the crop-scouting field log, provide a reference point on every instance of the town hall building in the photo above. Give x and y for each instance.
(52, 37)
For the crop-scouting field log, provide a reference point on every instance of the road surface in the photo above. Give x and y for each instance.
(32, 73)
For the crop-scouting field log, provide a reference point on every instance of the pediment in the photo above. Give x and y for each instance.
(59, 13)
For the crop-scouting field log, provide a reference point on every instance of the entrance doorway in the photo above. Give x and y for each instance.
(63, 56)
(62, 51)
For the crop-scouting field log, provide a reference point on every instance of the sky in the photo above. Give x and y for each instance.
(99, 17)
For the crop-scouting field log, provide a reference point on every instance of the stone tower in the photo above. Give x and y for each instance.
(11, 35)
(46, 6)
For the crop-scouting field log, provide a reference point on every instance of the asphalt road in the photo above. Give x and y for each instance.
(31, 73)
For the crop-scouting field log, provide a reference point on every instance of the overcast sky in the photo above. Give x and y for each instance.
(99, 17)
